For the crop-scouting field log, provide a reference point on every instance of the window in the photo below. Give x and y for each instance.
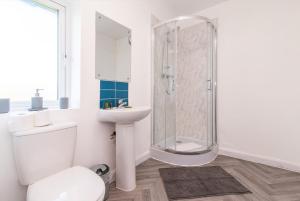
(32, 51)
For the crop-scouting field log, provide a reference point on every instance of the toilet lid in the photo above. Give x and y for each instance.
(73, 184)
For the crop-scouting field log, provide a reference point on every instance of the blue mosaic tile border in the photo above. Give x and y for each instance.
(111, 91)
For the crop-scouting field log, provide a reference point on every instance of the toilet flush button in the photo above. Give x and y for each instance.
(62, 197)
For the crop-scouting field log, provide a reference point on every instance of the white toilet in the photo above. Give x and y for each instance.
(44, 158)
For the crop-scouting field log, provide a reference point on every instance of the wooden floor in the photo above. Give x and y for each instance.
(266, 183)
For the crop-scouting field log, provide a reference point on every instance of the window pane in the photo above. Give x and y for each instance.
(28, 49)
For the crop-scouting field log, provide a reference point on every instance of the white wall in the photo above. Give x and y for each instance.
(93, 141)
(186, 7)
(258, 79)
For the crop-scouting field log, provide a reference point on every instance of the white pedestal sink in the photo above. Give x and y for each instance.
(125, 154)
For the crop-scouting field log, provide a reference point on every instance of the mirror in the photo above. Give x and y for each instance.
(113, 50)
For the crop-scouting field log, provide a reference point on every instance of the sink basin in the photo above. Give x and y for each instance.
(123, 115)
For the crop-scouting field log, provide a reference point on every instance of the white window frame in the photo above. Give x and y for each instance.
(63, 70)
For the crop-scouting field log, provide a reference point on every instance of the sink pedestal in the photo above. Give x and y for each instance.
(125, 154)
(125, 157)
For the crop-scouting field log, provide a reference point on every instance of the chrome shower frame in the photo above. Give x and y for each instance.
(179, 157)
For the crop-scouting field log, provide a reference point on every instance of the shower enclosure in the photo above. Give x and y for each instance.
(184, 91)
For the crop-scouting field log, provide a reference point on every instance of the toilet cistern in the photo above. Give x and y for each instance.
(47, 171)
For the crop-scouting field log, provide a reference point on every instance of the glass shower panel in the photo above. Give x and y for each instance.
(211, 77)
(164, 86)
(193, 83)
(169, 74)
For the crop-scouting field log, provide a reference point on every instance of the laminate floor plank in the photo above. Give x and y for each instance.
(266, 183)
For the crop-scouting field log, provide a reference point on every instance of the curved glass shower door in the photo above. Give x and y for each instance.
(184, 86)
(164, 89)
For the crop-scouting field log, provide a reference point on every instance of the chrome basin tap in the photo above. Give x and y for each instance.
(121, 103)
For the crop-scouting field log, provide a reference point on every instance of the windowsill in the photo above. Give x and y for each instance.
(24, 106)
(26, 111)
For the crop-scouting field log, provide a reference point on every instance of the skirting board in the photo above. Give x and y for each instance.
(112, 176)
(274, 162)
(140, 159)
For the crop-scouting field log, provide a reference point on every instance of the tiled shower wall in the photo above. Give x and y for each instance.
(113, 91)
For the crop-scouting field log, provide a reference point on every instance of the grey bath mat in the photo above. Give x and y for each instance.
(196, 182)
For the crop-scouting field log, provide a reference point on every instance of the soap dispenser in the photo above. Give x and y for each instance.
(37, 102)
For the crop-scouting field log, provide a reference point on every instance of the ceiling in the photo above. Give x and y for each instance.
(182, 7)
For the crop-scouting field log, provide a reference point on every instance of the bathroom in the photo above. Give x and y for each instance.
(257, 98)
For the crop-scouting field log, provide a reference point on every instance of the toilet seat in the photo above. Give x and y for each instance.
(73, 184)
